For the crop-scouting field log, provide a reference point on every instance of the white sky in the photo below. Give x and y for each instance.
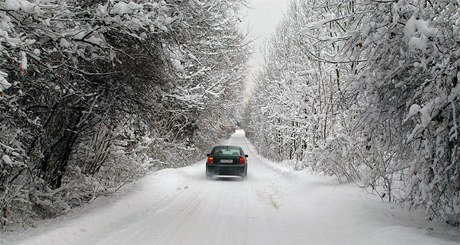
(261, 19)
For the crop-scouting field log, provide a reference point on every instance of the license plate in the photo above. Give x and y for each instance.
(226, 161)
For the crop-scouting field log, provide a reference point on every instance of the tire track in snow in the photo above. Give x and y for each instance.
(274, 206)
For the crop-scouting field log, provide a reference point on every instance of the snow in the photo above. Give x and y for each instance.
(414, 109)
(64, 43)
(12, 5)
(275, 205)
(27, 6)
(425, 114)
(307, 72)
(417, 32)
(23, 5)
(4, 84)
(419, 43)
(23, 61)
(124, 8)
(320, 23)
(7, 160)
(454, 93)
(12, 41)
(410, 28)
(103, 9)
(95, 40)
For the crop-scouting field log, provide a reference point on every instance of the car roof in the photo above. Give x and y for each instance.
(227, 146)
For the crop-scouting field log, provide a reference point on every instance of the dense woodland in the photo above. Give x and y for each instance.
(367, 91)
(94, 94)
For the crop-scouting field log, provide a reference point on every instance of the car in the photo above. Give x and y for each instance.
(227, 160)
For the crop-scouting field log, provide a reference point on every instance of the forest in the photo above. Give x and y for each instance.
(95, 94)
(366, 91)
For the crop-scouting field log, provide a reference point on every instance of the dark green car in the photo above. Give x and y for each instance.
(227, 160)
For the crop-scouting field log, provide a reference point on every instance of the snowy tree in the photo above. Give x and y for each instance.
(411, 72)
(96, 93)
(305, 64)
(377, 83)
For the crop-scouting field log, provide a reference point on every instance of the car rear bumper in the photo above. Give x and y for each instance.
(227, 169)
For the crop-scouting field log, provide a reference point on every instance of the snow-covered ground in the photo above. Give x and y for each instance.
(273, 206)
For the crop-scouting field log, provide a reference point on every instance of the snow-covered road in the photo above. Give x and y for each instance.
(273, 206)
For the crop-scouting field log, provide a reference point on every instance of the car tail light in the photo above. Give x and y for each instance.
(242, 161)
(210, 160)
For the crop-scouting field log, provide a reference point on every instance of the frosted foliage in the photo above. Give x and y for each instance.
(379, 104)
(96, 94)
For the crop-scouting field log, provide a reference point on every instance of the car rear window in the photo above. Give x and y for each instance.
(226, 151)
